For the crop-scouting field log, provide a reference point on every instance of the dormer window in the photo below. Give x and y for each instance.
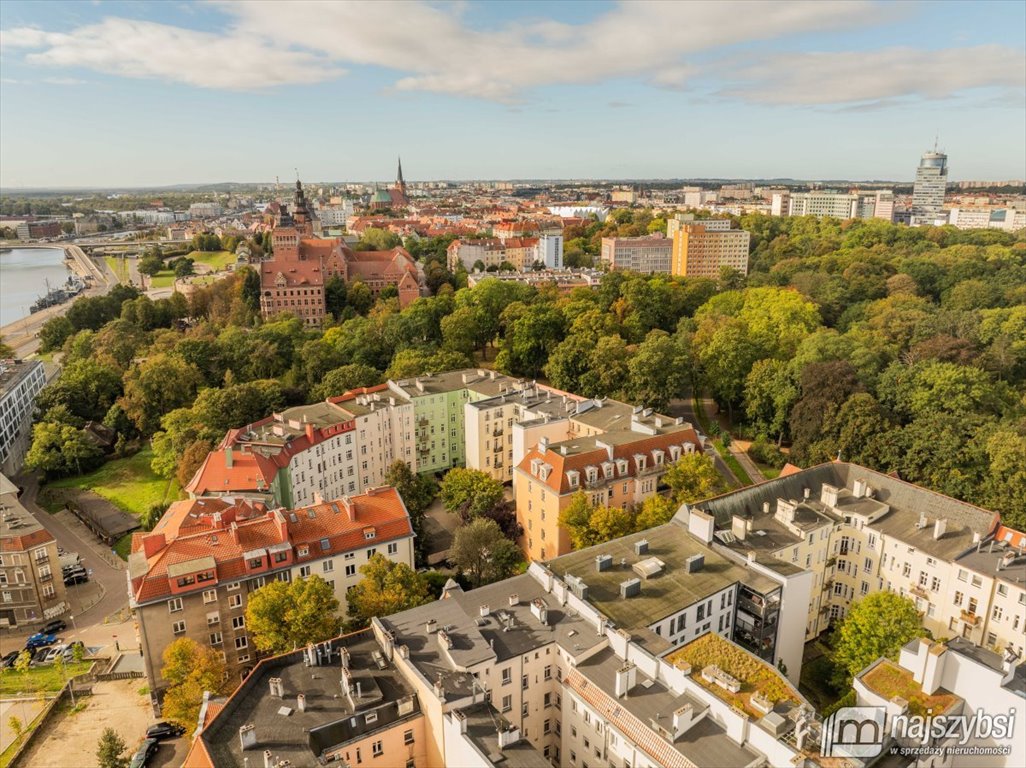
(256, 562)
(369, 533)
(573, 478)
(674, 452)
(304, 551)
(621, 467)
(592, 474)
(689, 447)
(659, 456)
(641, 461)
(607, 469)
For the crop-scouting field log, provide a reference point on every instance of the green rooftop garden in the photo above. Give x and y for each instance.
(889, 680)
(755, 676)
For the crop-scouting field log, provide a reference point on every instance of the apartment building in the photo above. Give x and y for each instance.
(929, 188)
(438, 401)
(520, 250)
(615, 469)
(31, 587)
(649, 255)
(191, 576)
(701, 251)
(528, 672)
(950, 679)
(384, 425)
(860, 531)
(20, 382)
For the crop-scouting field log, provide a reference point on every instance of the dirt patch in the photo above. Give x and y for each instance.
(71, 739)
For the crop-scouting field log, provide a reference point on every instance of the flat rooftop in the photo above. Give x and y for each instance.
(13, 371)
(331, 718)
(651, 702)
(15, 520)
(661, 595)
(482, 722)
(506, 632)
(485, 382)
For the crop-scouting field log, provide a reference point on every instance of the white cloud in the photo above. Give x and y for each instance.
(438, 52)
(879, 77)
(436, 48)
(144, 49)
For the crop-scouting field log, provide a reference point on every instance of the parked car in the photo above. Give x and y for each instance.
(76, 577)
(39, 639)
(164, 731)
(53, 653)
(9, 659)
(69, 650)
(55, 626)
(39, 656)
(144, 753)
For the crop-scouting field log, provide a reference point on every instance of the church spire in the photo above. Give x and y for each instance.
(399, 175)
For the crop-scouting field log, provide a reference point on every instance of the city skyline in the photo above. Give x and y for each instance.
(244, 92)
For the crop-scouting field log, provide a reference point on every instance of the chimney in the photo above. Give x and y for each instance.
(229, 458)
(268, 759)
(301, 702)
(859, 488)
(508, 736)
(683, 718)
(439, 688)
(484, 610)
(460, 716)
(277, 689)
(765, 507)
(701, 525)
(626, 676)
(806, 493)
(828, 494)
(310, 431)
(247, 736)
(738, 527)
(543, 444)
(514, 599)
(940, 527)
(430, 626)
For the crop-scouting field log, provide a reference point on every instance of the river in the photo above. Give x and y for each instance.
(24, 273)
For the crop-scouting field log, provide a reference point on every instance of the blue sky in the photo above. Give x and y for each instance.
(146, 93)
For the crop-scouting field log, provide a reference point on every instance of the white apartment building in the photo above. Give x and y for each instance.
(824, 203)
(929, 188)
(550, 250)
(859, 531)
(1007, 219)
(335, 215)
(20, 382)
(647, 255)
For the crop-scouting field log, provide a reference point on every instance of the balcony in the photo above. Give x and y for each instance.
(831, 562)
(498, 432)
(970, 618)
(919, 591)
(45, 577)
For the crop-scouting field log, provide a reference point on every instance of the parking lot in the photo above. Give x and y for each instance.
(71, 739)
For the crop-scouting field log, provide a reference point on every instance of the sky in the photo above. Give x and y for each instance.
(119, 94)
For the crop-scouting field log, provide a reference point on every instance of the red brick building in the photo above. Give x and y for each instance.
(293, 280)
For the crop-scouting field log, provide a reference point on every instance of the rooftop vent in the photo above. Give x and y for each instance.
(694, 563)
(649, 567)
(603, 562)
(630, 588)
(641, 547)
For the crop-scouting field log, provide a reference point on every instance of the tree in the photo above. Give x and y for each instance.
(375, 239)
(61, 449)
(282, 616)
(655, 510)
(470, 492)
(655, 371)
(340, 380)
(110, 750)
(192, 460)
(770, 393)
(877, 625)
(417, 493)
(530, 339)
(335, 295)
(156, 386)
(54, 332)
(693, 477)
(150, 264)
(386, 587)
(482, 553)
(576, 519)
(359, 297)
(190, 669)
(183, 267)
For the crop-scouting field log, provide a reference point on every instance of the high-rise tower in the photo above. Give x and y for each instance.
(931, 183)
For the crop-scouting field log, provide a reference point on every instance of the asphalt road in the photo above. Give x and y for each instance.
(112, 579)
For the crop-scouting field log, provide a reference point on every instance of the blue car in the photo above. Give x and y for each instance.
(38, 640)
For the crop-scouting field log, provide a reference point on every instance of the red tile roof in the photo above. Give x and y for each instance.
(225, 532)
(645, 445)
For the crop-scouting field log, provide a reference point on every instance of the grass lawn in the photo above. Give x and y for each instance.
(39, 679)
(729, 460)
(123, 546)
(163, 279)
(216, 260)
(128, 483)
(118, 266)
(767, 471)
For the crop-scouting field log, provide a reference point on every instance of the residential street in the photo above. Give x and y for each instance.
(106, 592)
